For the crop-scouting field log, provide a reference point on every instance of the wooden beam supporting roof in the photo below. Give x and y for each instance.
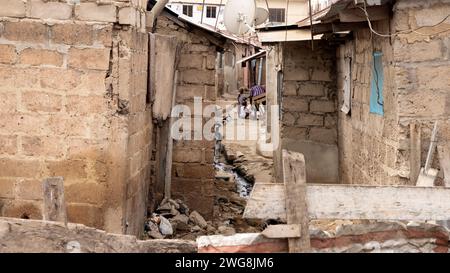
(376, 13)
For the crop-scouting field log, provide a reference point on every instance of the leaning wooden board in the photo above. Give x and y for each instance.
(267, 201)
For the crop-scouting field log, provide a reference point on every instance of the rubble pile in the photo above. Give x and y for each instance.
(173, 219)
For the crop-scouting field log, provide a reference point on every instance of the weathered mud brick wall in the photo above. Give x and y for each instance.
(309, 115)
(422, 69)
(72, 90)
(368, 142)
(192, 160)
(375, 149)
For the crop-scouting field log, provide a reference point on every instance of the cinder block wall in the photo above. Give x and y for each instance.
(367, 141)
(422, 69)
(72, 89)
(309, 108)
(309, 93)
(192, 168)
(376, 149)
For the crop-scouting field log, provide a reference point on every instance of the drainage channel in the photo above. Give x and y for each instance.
(243, 187)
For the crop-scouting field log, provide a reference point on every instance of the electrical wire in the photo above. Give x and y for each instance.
(364, 9)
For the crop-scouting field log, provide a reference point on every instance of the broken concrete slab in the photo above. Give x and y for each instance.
(36, 236)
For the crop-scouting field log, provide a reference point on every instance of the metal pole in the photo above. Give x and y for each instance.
(203, 8)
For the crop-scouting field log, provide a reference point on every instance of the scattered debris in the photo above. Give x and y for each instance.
(197, 219)
(172, 220)
(224, 230)
(165, 227)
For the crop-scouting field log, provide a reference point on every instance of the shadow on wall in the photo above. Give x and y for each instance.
(322, 160)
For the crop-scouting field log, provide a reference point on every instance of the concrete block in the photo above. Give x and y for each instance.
(7, 187)
(321, 75)
(290, 88)
(289, 119)
(50, 10)
(309, 120)
(297, 74)
(128, 16)
(89, 58)
(12, 8)
(72, 34)
(41, 102)
(23, 209)
(431, 15)
(95, 12)
(36, 57)
(86, 214)
(19, 168)
(435, 77)
(90, 193)
(8, 101)
(187, 155)
(191, 61)
(69, 169)
(312, 89)
(322, 106)
(29, 189)
(295, 104)
(418, 52)
(7, 54)
(8, 145)
(25, 32)
(294, 132)
(323, 135)
(195, 76)
(86, 105)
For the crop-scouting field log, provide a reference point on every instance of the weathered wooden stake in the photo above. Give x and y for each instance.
(444, 159)
(294, 176)
(54, 202)
(415, 152)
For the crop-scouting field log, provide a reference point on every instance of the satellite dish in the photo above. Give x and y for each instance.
(261, 16)
(238, 15)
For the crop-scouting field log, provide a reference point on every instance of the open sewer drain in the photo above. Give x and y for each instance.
(243, 187)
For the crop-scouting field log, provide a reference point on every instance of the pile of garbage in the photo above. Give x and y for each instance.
(173, 219)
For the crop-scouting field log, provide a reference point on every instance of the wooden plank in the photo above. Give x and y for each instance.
(54, 203)
(376, 13)
(294, 176)
(354, 202)
(282, 231)
(444, 159)
(415, 152)
(168, 173)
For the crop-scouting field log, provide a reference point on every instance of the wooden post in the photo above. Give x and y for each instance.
(444, 159)
(294, 176)
(168, 171)
(54, 202)
(415, 152)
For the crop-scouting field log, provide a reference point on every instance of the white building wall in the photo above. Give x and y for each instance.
(197, 12)
(297, 10)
